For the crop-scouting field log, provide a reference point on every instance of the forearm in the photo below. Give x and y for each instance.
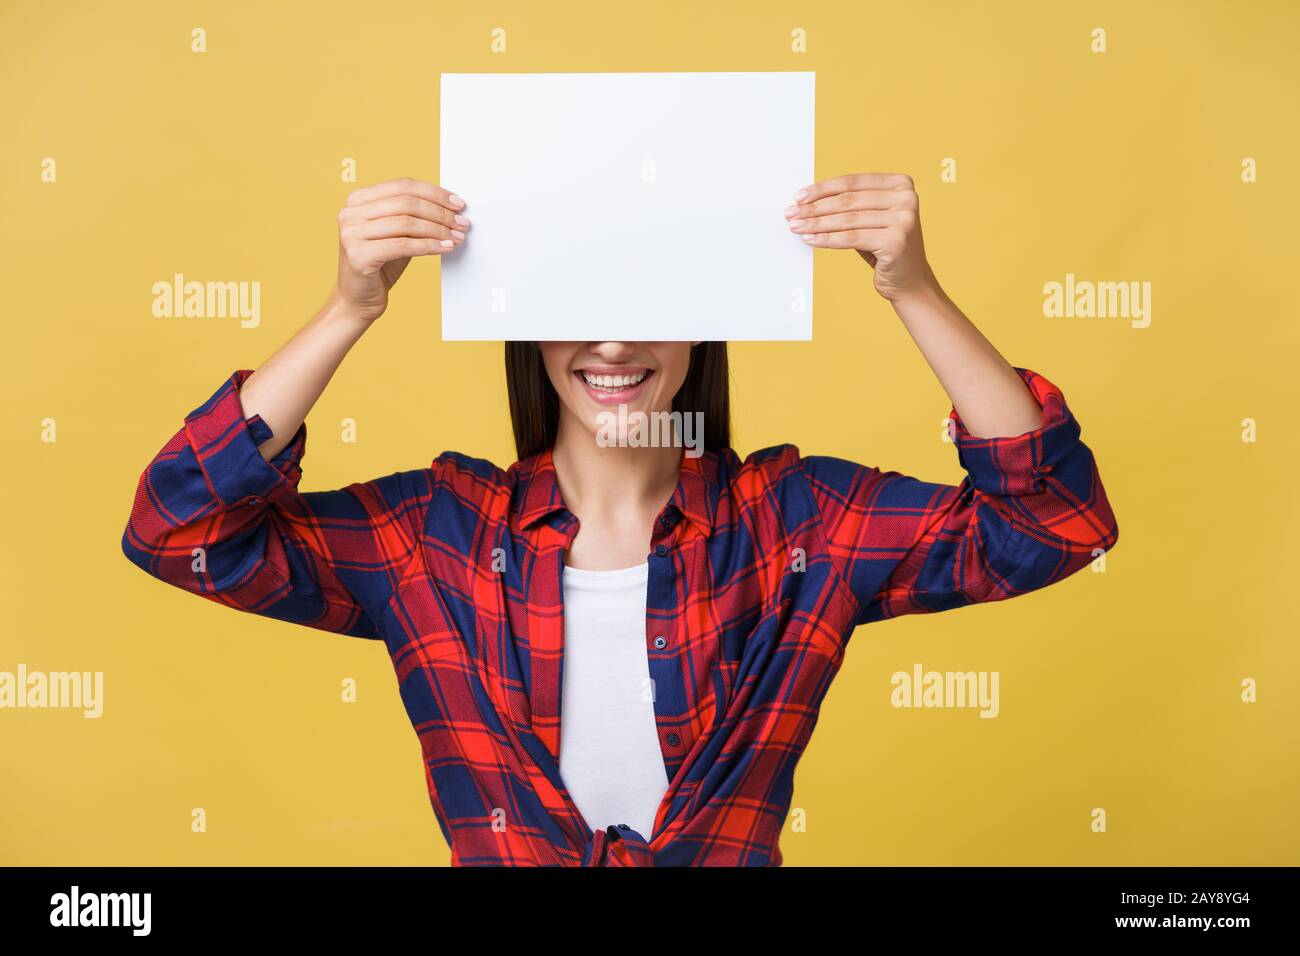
(988, 394)
(286, 386)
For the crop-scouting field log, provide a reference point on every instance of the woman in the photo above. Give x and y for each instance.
(685, 613)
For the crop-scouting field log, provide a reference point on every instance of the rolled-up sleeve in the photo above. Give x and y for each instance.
(213, 517)
(1030, 511)
(226, 445)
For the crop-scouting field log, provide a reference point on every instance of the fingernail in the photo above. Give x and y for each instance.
(796, 223)
(458, 234)
(447, 243)
(461, 220)
(812, 237)
(455, 200)
(801, 195)
(790, 211)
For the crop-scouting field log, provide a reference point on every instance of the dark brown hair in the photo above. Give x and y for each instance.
(535, 408)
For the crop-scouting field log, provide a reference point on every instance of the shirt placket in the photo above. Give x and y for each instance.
(545, 668)
(546, 631)
(666, 640)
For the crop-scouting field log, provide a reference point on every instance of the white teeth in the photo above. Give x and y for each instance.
(614, 381)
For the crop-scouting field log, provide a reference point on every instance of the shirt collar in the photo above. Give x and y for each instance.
(537, 494)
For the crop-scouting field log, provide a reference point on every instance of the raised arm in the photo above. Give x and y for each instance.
(1031, 509)
(380, 228)
(218, 512)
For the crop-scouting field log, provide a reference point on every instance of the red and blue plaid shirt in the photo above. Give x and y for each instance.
(759, 571)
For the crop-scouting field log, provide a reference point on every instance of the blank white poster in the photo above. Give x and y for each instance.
(627, 206)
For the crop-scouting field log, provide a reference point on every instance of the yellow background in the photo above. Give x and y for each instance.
(1119, 690)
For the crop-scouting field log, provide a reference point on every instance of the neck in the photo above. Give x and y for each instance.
(599, 480)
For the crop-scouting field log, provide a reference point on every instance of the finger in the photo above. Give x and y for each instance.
(839, 222)
(868, 240)
(853, 181)
(403, 205)
(386, 250)
(392, 227)
(854, 199)
(414, 187)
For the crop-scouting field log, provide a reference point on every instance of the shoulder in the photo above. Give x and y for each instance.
(453, 466)
(469, 479)
(798, 483)
(781, 463)
(772, 460)
(771, 479)
(450, 471)
(465, 495)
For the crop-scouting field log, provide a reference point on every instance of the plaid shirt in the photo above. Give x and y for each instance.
(759, 571)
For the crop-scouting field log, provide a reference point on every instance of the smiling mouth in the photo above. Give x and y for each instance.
(611, 383)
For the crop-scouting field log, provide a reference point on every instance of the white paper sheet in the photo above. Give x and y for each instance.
(627, 206)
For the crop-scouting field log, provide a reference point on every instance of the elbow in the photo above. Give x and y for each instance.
(1106, 529)
(134, 545)
(145, 534)
(141, 552)
(159, 549)
(1111, 537)
(1090, 550)
(1100, 518)
(128, 549)
(1087, 535)
(1030, 558)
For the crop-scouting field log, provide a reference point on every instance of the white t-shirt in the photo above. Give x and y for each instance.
(609, 745)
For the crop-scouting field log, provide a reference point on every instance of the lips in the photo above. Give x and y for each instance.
(610, 385)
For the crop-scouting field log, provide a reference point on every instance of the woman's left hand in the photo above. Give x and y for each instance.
(878, 214)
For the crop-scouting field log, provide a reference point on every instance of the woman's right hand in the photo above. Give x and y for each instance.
(381, 227)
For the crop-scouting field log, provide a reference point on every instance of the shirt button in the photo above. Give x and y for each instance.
(661, 642)
(673, 740)
(661, 550)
